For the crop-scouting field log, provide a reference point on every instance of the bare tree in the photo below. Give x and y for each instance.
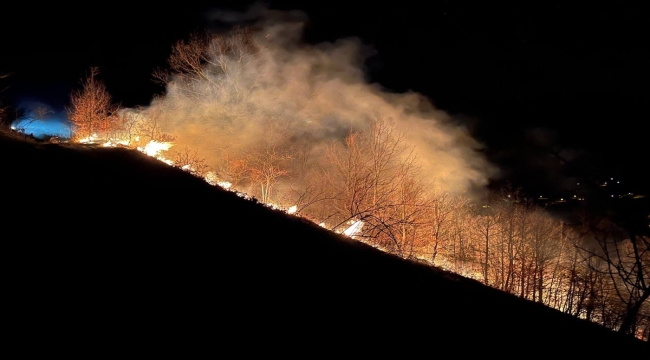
(372, 177)
(459, 251)
(403, 221)
(486, 231)
(307, 191)
(623, 256)
(189, 160)
(234, 169)
(39, 113)
(508, 244)
(439, 217)
(346, 180)
(544, 236)
(126, 127)
(186, 60)
(265, 167)
(149, 128)
(628, 265)
(91, 109)
(4, 119)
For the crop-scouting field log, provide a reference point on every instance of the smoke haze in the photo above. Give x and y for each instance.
(276, 92)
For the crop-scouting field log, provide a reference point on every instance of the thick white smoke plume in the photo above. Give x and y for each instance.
(263, 91)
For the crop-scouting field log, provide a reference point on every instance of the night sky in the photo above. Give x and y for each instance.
(554, 91)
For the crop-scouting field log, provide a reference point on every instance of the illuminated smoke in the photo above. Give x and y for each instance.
(287, 96)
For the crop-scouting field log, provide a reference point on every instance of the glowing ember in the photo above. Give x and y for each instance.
(115, 142)
(354, 229)
(224, 184)
(153, 148)
(211, 178)
(89, 140)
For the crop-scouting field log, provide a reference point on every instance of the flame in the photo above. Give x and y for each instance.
(354, 229)
(292, 210)
(89, 140)
(243, 195)
(116, 142)
(153, 147)
(211, 178)
(275, 206)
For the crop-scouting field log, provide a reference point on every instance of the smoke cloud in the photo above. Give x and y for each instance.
(287, 95)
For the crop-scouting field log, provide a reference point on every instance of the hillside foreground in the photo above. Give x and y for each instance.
(108, 251)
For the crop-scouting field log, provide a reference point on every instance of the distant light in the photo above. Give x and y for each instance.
(612, 195)
(611, 178)
(618, 182)
(574, 195)
(561, 199)
(578, 184)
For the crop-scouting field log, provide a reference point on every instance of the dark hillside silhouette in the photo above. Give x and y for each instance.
(110, 251)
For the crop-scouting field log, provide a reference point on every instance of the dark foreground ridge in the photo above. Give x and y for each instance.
(107, 251)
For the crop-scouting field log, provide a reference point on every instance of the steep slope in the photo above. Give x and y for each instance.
(109, 251)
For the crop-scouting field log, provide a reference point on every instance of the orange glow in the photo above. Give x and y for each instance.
(153, 148)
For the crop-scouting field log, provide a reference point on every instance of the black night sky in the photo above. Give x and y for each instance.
(554, 91)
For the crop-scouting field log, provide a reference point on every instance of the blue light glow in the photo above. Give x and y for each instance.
(42, 121)
(43, 128)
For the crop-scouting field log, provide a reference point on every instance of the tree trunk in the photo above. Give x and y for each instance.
(632, 311)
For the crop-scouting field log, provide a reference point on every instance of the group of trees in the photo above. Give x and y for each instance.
(507, 242)
(371, 175)
(515, 246)
(92, 112)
